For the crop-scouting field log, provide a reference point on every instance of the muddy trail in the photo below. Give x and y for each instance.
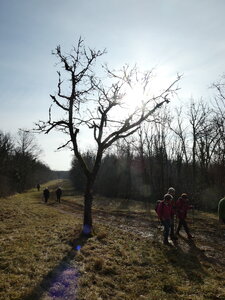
(209, 236)
(207, 246)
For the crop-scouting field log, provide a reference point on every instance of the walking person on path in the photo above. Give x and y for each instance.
(171, 191)
(164, 212)
(46, 194)
(182, 207)
(58, 194)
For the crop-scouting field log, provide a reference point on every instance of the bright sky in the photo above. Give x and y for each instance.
(173, 35)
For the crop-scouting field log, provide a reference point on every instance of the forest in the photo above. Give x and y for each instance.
(183, 148)
(21, 167)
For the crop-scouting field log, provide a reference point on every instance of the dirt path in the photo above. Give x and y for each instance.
(209, 238)
(208, 245)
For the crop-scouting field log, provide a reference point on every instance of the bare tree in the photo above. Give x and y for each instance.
(26, 143)
(26, 162)
(180, 131)
(90, 101)
(197, 116)
(219, 119)
(6, 153)
(219, 98)
(6, 146)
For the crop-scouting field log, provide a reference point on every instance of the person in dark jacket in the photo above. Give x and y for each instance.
(58, 194)
(182, 206)
(38, 187)
(221, 211)
(164, 213)
(46, 194)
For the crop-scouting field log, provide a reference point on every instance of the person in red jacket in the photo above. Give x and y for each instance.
(164, 212)
(182, 206)
(172, 191)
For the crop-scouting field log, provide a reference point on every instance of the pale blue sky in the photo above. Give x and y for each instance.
(176, 36)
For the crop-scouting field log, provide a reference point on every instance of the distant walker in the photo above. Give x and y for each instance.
(38, 187)
(58, 194)
(46, 194)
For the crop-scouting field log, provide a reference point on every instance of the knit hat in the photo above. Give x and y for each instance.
(184, 195)
(171, 190)
(168, 197)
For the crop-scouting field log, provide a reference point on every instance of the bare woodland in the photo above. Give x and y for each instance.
(185, 150)
(21, 167)
(138, 146)
(88, 101)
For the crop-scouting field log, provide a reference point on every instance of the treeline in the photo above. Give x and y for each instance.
(184, 149)
(20, 167)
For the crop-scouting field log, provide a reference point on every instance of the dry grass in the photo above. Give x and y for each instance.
(43, 257)
(125, 266)
(35, 238)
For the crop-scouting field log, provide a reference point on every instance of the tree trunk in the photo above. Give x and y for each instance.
(88, 199)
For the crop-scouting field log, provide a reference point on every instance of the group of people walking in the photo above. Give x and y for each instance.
(58, 193)
(46, 193)
(168, 210)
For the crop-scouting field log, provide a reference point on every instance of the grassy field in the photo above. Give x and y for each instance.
(43, 256)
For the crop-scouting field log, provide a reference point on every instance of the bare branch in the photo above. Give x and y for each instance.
(64, 145)
(59, 104)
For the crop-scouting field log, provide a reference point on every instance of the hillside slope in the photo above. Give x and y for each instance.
(42, 255)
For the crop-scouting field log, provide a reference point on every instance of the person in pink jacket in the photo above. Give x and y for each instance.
(172, 191)
(182, 206)
(164, 213)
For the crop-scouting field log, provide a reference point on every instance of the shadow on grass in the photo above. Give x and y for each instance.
(188, 261)
(62, 280)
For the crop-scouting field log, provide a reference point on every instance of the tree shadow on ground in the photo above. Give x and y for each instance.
(57, 283)
(202, 253)
(188, 261)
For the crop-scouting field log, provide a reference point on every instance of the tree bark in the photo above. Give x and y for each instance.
(88, 200)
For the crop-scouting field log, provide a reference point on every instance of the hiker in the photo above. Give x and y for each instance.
(182, 207)
(164, 212)
(221, 211)
(171, 191)
(38, 187)
(46, 194)
(58, 194)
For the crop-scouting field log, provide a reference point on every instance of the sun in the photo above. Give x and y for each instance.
(134, 98)
(141, 92)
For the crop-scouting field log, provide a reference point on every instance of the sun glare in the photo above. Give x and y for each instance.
(136, 94)
(134, 98)
(162, 79)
